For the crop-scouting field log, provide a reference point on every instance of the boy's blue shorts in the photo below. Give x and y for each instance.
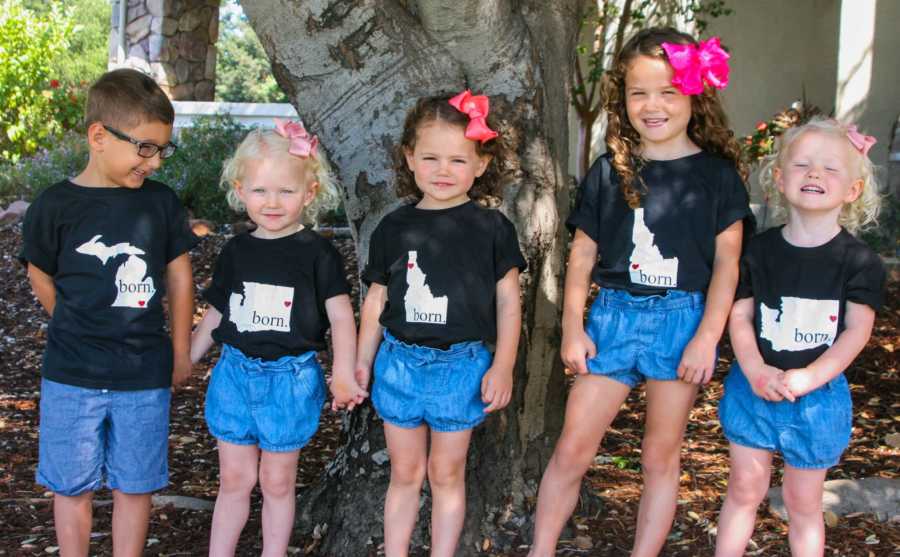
(641, 337)
(274, 404)
(442, 388)
(809, 433)
(91, 435)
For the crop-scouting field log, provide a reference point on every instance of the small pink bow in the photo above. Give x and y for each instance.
(302, 143)
(693, 66)
(476, 108)
(861, 141)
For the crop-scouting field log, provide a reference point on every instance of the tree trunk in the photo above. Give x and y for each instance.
(352, 69)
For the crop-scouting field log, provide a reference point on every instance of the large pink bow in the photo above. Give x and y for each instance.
(476, 108)
(693, 66)
(302, 143)
(861, 141)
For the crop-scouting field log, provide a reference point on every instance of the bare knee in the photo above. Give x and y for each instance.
(277, 483)
(748, 487)
(802, 502)
(237, 479)
(446, 473)
(408, 473)
(660, 457)
(573, 455)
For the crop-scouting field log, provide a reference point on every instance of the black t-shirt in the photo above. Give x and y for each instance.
(272, 293)
(800, 294)
(107, 251)
(670, 241)
(441, 269)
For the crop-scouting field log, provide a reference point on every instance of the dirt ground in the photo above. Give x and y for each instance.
(26, 525)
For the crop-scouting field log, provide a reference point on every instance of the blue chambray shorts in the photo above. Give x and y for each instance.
(809, 433)
(641, 337)
(275, 404)
(95, 437)
(442, 388)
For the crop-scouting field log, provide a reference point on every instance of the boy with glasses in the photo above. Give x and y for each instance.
(102, 249)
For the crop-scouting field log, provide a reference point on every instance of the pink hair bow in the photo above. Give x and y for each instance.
(476, 108)
(302, 143)
(695, 66)
(861, 141)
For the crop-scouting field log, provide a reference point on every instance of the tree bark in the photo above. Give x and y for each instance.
(352, 68)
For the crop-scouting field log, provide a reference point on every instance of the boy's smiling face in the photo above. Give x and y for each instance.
(118, 162)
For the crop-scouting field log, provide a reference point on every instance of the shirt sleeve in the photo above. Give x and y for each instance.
(507, 253)
(218, 291)
(181, 237)
(585, 214)
(734, 203)
(331, 280)
(376, 268)
(40, 237)
(866, 284)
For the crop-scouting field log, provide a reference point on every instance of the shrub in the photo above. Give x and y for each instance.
(28, 176)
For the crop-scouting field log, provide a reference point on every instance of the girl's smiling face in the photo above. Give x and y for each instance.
(275, 191)
(658, 111)
(816, 175)
(444, 164)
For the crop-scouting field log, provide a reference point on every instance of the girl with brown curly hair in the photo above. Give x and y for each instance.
(443, 276)
(665, 210)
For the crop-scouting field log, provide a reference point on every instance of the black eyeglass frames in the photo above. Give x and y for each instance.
(145, 149)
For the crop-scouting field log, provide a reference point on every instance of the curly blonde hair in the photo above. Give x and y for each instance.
(488, 188)
(264, 143)
(708, 127)
(856, 216)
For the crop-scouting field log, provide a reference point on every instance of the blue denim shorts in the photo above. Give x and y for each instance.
(275, 404)
(95, 437)
(641, 337)
(809, 433)
(442, 388)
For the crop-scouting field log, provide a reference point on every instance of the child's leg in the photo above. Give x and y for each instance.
(593, 403)
(748, 483)
(668, 406)
(803, 498)
(72, 520)
(277, 479)
(237, 476)
(130, 520)
(447, 478)
(408, 452)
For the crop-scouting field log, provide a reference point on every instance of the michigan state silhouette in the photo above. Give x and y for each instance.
(647, 265)
(799, 324)
(421, 305)
(134, 288)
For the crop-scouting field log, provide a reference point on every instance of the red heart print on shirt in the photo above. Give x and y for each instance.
(141, 303)
(833, 318)
(635, 265)
(287, 303)
(410, 265)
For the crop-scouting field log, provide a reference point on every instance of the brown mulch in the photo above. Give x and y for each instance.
(26, 522)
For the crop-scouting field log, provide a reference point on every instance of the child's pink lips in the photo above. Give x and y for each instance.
(654, 122)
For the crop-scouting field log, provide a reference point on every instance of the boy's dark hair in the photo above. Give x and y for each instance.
(126, 98)
(487, 189)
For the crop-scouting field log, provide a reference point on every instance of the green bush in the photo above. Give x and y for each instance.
(195, 168)
(29, 93)
(26, 178)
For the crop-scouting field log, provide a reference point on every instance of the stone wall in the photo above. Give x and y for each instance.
(172, 40)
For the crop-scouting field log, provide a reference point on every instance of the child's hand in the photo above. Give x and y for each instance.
(181, 369)
(798, 382)
(496, 388)
(698, 361)
(577, 347)
(767, 383)
(349, 391)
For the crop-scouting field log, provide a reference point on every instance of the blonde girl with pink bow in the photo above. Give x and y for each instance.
(274, 293)
(665, 209)
(440, 323)
(805, 306)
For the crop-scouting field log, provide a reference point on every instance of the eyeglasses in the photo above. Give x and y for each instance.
(146, 149)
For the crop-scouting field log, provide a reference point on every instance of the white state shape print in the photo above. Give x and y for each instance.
(262, 307)
(800, 323)
(134, 288)
(647, 265)
(421, 305)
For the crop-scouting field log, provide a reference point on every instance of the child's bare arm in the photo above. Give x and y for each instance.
(698, 360)
(370, 329)
(764, 379)
(344, 387)
(496, 387)
(201, 339)
(180, 289)
(43, 288)
(858, 322)
(576, 345)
